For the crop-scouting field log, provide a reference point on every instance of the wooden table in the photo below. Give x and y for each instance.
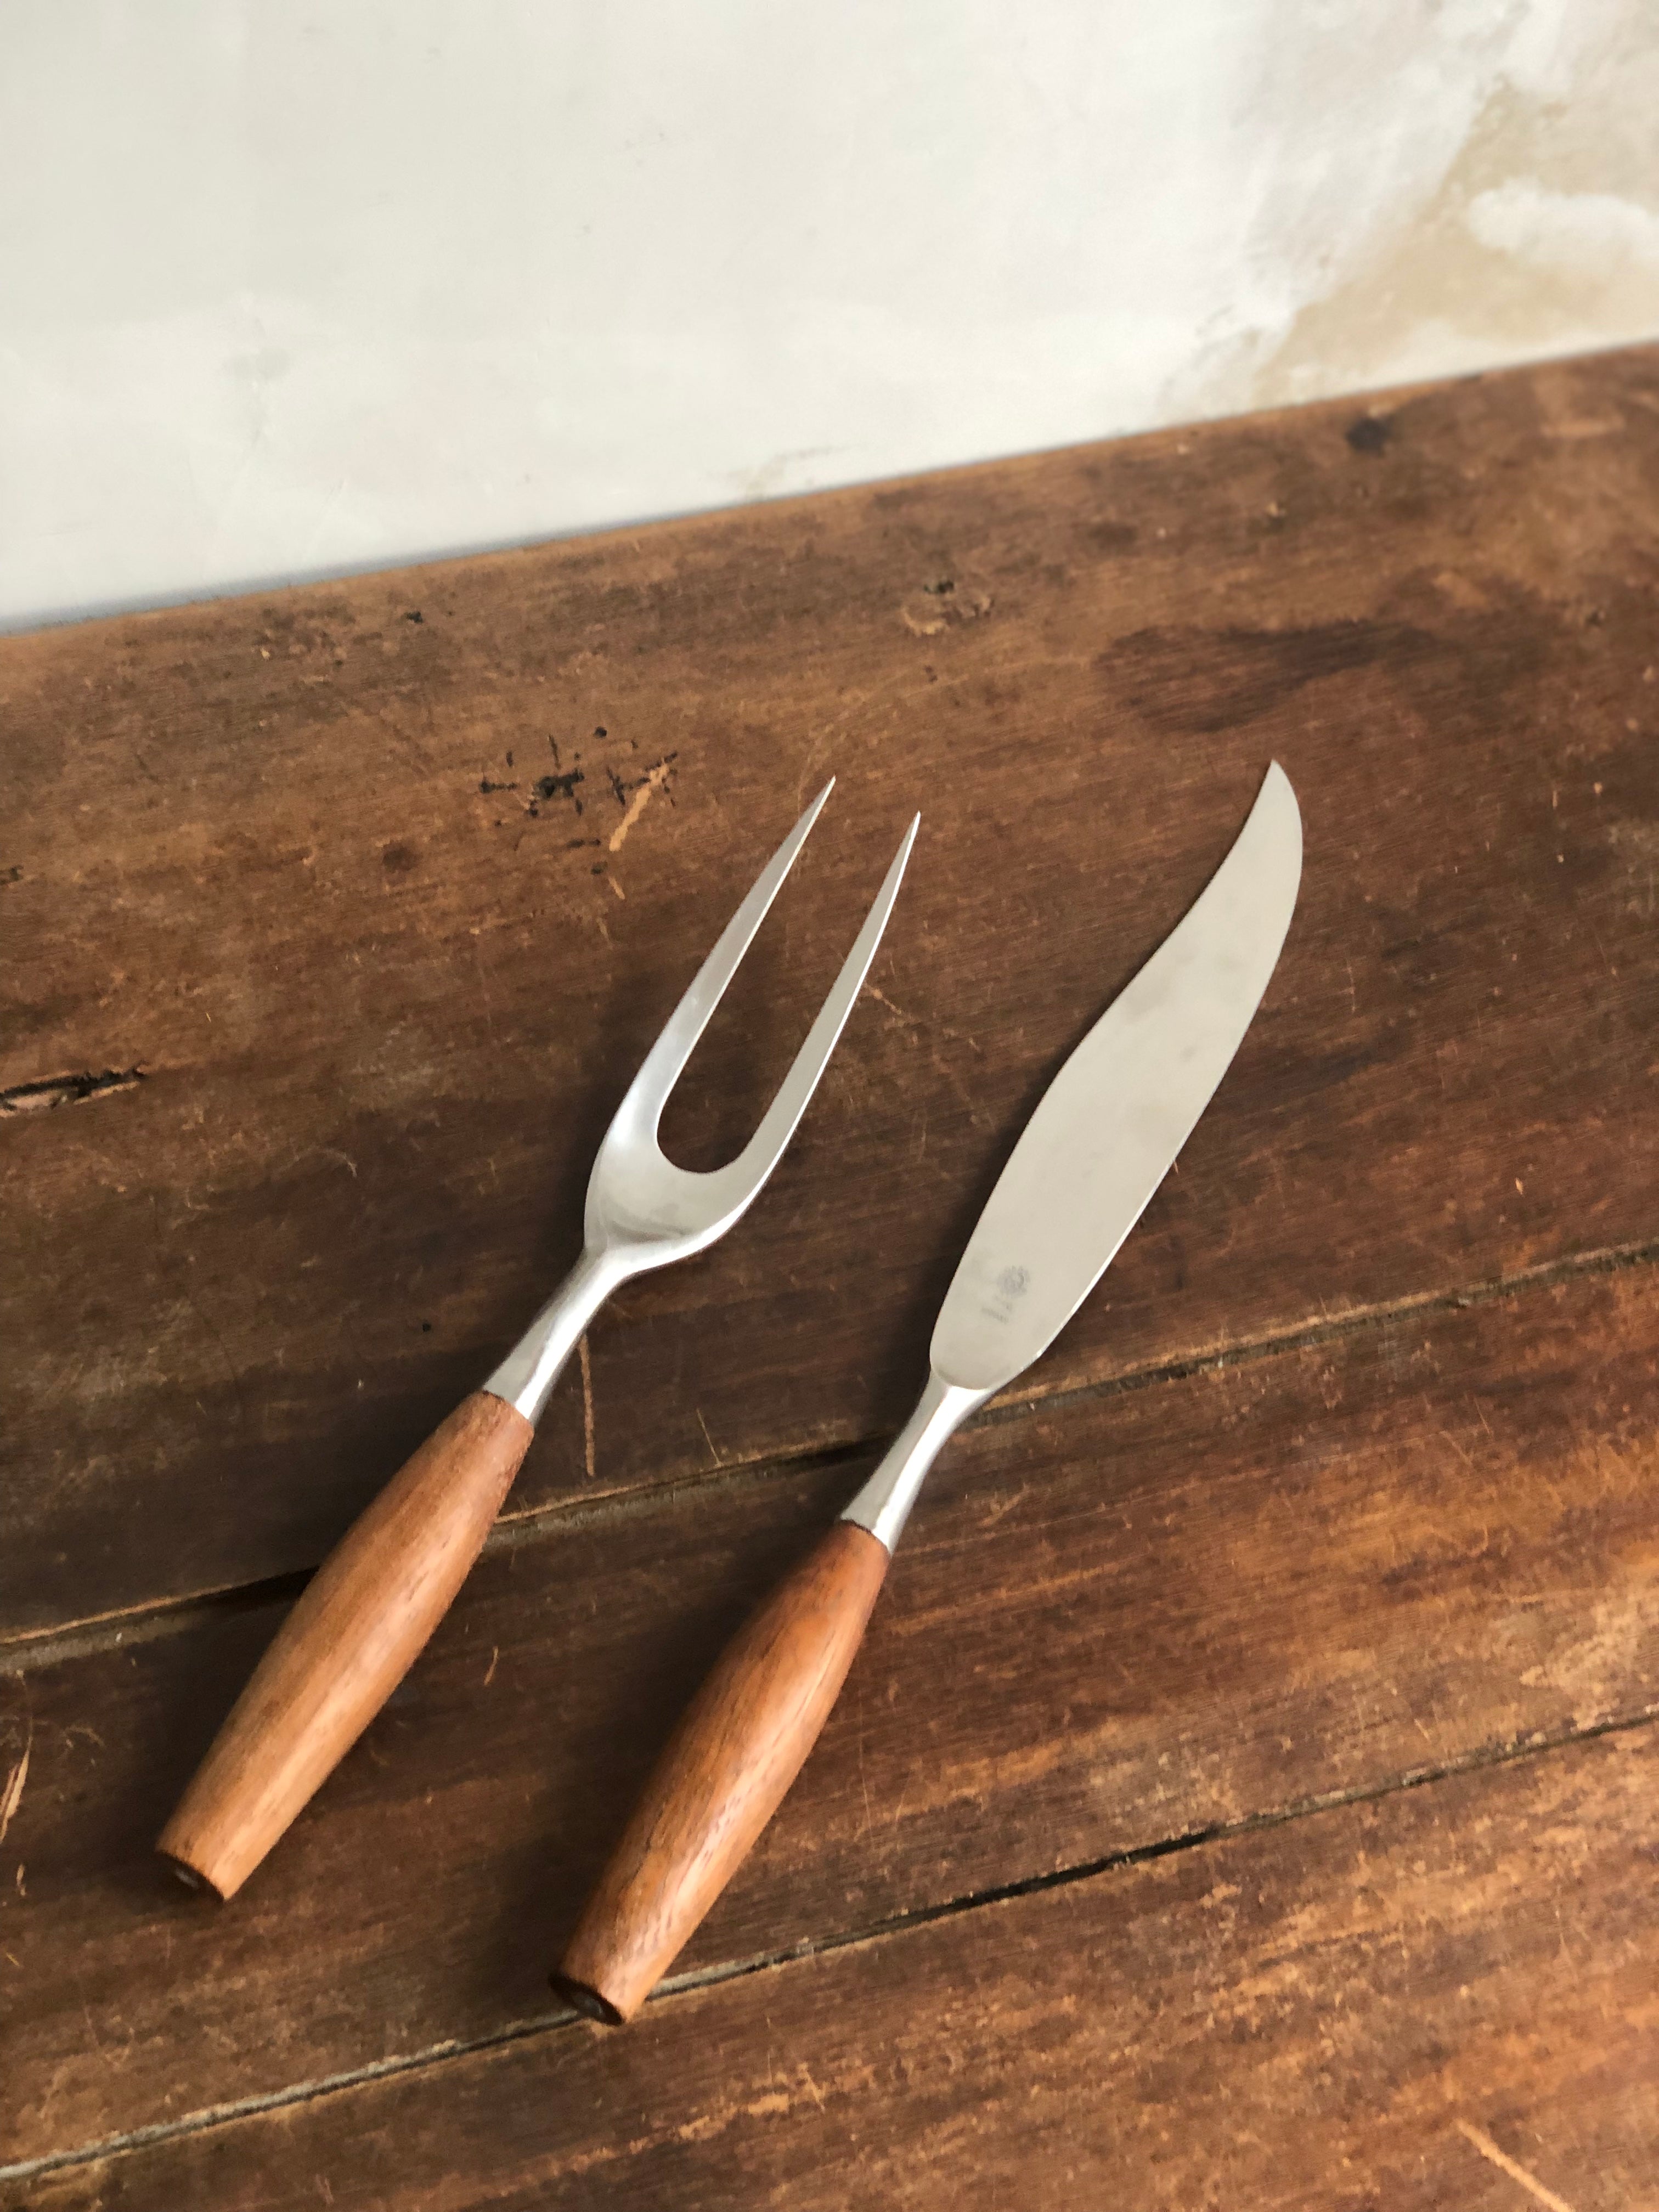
(1248, 1795)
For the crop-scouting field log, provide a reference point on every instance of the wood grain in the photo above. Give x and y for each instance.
(336, 921)
(1393, 2004)
(346, 881)
(363, 1619)
(1113, 1623)
(722, 1775)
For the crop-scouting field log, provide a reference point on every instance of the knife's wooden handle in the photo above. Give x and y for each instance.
(348, 1644)
(740, 1745)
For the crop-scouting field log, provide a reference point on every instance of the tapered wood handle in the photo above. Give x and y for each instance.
(726, 1769)
(348, 1643)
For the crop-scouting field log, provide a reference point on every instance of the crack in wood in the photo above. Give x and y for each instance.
(68, 1090)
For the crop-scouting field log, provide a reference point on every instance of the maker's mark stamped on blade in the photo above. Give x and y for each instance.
(1010, 1286)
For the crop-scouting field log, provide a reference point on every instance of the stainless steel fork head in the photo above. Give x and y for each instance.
(643, 1211)
(637, 1199)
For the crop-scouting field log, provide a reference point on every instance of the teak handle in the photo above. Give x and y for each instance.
(348, 1643)
(724, 1772)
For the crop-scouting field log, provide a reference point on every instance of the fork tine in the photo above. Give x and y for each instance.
(761, 1153)
(660, 1069)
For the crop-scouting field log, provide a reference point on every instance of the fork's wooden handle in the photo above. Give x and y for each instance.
(740, 1745)
(348, 1644)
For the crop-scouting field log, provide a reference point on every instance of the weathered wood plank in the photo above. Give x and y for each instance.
(1126, 1618)
(382, 1012)
(1449, 1996)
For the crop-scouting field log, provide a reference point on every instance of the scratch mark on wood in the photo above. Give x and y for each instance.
(1488, 2150)
(12, 1796)
(587, 1404)
(328, 1153)
(642, 797)
(483, 987)
(995, 1511)
(882, 999)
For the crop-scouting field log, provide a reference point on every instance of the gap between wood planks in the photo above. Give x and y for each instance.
(35, 1649)
(893, 1928)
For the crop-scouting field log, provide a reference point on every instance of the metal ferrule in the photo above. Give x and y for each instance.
(883, 1504)
(526, 1378)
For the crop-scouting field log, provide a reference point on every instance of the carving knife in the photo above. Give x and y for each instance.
(1102, 1138)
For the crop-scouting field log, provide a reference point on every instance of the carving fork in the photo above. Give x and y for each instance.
(378, 1596)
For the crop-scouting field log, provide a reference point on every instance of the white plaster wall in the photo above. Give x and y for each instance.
(287, 290)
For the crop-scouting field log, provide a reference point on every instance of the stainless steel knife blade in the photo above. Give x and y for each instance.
(1109, 1128)
(1104, 1134)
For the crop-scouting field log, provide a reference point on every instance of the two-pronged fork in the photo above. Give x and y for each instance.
(383, 1589)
